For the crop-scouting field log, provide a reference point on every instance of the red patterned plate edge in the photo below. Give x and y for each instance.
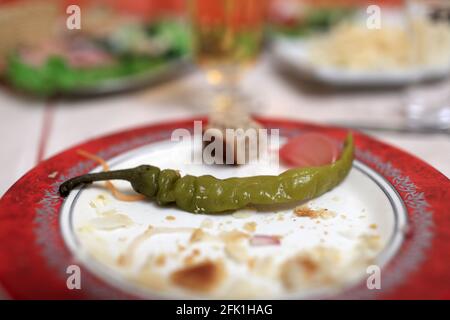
(33, 254)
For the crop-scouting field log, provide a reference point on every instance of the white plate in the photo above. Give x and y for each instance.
(362, 228)
(293, 53)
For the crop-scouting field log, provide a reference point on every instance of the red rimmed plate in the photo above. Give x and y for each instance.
(389, 195)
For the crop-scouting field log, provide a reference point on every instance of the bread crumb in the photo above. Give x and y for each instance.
(101, 198)
(312, 268)
(250, 226)
(161, 260)
(201, 277)
(251, 263)
(199, 235)
(305, 211)
(170, 218)
(189, 260)
(233, 236)
(370, 242)
(99, 201)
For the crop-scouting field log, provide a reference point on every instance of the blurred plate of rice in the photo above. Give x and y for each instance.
(350, 54)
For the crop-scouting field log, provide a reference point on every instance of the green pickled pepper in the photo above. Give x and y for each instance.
(207, 194)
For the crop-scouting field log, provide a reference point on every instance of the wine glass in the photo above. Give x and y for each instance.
(227, 40)
(428, 103)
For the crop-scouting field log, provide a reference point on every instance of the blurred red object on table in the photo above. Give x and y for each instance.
(143, 8)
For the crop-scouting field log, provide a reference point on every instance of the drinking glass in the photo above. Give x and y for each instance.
(428, 103)
(227, 40)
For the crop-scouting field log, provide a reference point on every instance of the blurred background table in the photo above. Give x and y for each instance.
(34, 130)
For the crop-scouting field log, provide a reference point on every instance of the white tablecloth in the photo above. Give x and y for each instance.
(32, 129)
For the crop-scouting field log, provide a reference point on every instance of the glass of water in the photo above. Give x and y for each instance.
(428, 102)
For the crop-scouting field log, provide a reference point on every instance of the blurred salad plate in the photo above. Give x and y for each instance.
(122, 56)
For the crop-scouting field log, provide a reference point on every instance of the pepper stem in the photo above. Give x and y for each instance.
(70, 184)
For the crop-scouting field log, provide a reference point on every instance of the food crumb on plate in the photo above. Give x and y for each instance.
(170, 218)
(190, 259)
(305, 211)
(160, 260)
(201, 277)
(310, 268)
(370, 241)
(200, 235)
(233, 236)
(250, 226)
